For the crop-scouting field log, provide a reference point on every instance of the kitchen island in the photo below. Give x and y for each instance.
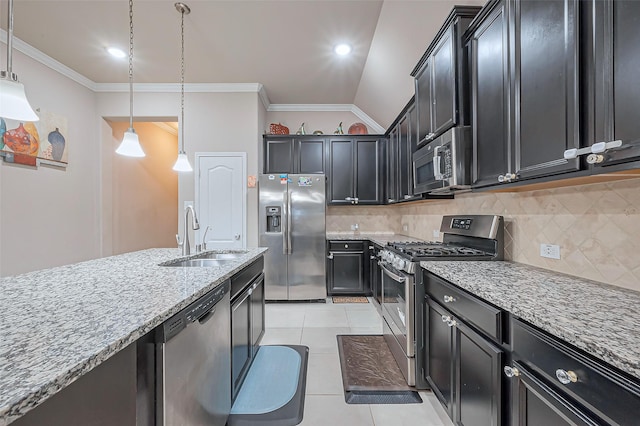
(59, 324)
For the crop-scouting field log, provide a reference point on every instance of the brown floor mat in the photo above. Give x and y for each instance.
(349, 299)
(370, 374)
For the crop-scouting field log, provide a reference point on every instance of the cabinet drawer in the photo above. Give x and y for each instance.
(346, 245)
(605, 392)
(483, 316)
(243, 278)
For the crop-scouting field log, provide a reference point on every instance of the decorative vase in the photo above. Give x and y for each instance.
(301, 130)
(339, 130)
(20, 141)
(57, 142)
(3, 129)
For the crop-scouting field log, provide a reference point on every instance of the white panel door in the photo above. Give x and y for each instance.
(221, 199)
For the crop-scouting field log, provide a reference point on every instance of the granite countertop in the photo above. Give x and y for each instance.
(57, 324)
(601, 319)
(380, 238)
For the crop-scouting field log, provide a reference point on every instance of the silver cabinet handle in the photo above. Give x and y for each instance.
(566, 377)
(511, 371)
(372, 257)
(501, 178)
(349, 199)
(595, 158)
(330, 257)
(446, 318)
(449, 299)
(437, 171)
(430, 135)
(451, 323)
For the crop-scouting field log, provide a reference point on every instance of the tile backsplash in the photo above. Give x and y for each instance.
(597, 226)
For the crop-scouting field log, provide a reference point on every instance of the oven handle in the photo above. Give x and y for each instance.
(437, 171)
(393, 276)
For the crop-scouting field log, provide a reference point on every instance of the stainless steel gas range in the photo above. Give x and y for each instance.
(471, 237)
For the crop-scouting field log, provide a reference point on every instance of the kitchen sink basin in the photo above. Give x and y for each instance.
(199, 262)
(221, 256)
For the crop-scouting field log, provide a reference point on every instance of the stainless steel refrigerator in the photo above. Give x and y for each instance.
(292, 225)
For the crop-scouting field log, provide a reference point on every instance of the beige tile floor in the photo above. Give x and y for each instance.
(316, 325)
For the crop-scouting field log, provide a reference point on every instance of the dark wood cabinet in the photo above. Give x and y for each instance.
(401, 143)
(525, 90)
(440, 357)
(614, 93)
(393, 169)
(441, 78)
(355, 170)
(375, 275)
(346, 268)
(463, 368)
(247, 321)
(294, 154)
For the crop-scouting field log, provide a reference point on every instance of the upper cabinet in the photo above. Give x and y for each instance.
(612, 83)
(402, 141)
(441, 78)
(525, 90)
(294, 154)
(355, 170)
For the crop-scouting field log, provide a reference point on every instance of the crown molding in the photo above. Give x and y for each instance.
(370, 122)
(47, 60)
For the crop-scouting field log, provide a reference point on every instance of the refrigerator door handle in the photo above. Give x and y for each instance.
(285, 223)
(289, 194)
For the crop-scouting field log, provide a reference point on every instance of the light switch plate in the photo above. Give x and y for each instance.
(405, 227)
(550, 251)
(436, 233)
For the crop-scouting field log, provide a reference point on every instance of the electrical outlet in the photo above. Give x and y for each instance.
(354, 227)
(436, 233)
(405, 227)
(550, 251)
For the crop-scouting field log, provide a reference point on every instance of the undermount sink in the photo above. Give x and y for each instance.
(199, 262)
(221, 256)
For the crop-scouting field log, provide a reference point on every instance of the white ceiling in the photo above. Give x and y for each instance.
(285, 45)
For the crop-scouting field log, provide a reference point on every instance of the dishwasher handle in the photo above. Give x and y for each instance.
(206, 317)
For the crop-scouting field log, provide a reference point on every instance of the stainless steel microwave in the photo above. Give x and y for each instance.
(444, 165)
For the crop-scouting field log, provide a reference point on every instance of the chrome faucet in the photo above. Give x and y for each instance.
(186, 246)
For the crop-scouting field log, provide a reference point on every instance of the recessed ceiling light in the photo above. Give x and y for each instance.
(342, 49)
(115, 52)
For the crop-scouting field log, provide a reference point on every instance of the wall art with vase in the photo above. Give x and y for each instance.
(34, 143)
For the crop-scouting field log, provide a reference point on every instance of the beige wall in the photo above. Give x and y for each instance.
(144, 191)
(325, 121)
(214, 122)
(48, 216)
(597, 226)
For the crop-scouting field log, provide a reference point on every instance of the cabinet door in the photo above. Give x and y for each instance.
(346, 273)
(341, 171)
(368, 171)
(241, 345)
(478, 379)
(490, 98)
(444, 111)
(534, 403)
(545, 53)
(439, 354)
(392, 166)
(424, 100)
(374, 275)
(405, 185)
(310, 156)
(257, 314)
(278, 156)
(617, 92)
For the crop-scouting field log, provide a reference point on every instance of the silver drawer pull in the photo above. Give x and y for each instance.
(449, 299)
(566, 377)
(451, 323)
(446, 318)
(511, 371)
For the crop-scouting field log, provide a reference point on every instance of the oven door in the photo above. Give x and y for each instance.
(398, 294)
(424, 169)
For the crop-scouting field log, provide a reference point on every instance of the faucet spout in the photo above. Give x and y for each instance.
(186, 246)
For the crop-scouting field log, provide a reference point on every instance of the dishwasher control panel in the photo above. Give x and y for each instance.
(192, 313)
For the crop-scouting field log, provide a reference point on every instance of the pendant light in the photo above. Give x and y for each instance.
(182, 163)
(130, 145)
(13, 100)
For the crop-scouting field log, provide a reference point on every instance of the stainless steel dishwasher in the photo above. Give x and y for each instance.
(193, 350)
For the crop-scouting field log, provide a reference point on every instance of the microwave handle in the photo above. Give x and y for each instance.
(437, 172)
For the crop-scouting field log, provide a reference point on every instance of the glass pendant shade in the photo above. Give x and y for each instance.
(13, 102)
(182, 163)
(130, 145)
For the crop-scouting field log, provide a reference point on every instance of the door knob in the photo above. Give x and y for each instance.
(237, 236)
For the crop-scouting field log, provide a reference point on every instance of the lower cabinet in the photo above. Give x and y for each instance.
(247, 322)
(375, 275)
(464, 369)
(346, 268)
